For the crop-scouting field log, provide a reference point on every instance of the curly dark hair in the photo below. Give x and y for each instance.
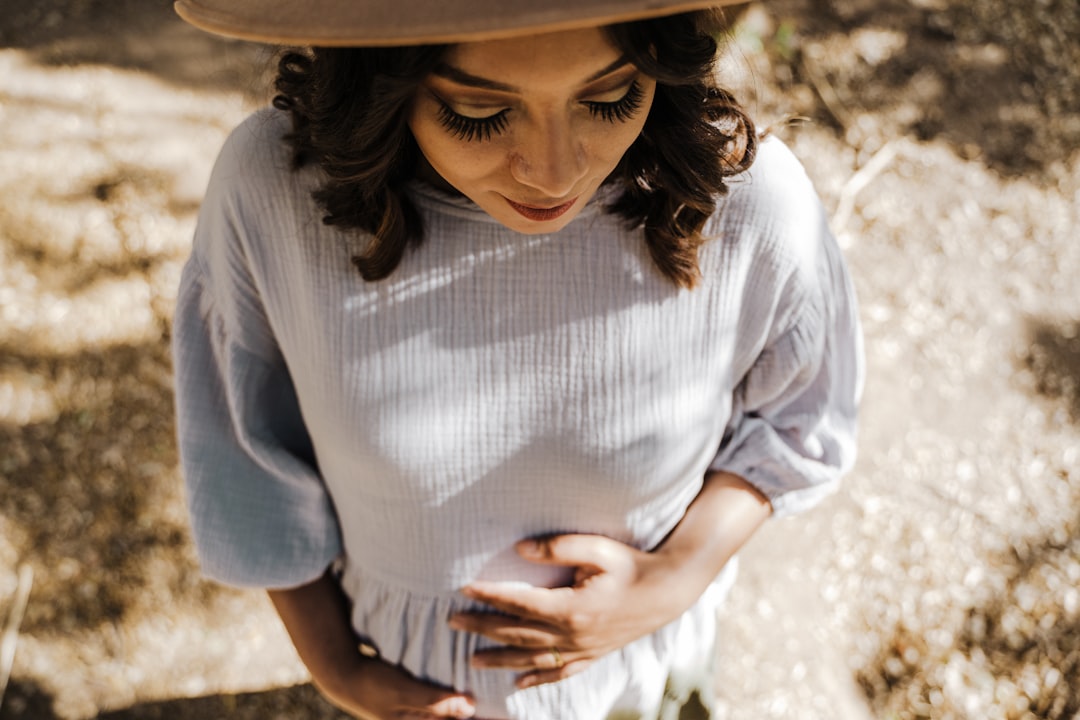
(349, 109)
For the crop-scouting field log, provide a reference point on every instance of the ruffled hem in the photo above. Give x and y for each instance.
(410, 630)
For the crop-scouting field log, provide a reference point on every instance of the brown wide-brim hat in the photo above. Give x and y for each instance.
(415, 22)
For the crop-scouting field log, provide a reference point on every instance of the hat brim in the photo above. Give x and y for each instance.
(378, 22)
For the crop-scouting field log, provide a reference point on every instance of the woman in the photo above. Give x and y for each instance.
(492, 352)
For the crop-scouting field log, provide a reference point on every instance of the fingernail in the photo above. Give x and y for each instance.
(462, 708)
(529, 547)
(526, 681)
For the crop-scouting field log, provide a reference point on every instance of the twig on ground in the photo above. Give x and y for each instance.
(10, 638)
(825, 91)
(788, 121)
(855, 184)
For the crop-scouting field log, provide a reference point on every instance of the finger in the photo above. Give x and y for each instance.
(424, 715)
(423, 699)
(525, 602)
(454, 706)
(540, 677)
(506, 630)
(448, 706)
(577, 550)
(518, 659)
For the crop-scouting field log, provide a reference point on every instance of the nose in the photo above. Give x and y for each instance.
(550, 159)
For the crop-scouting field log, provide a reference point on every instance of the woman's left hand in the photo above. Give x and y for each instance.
(619, 595)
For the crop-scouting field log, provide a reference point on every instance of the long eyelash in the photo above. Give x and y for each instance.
(469, 129)
(622, 109)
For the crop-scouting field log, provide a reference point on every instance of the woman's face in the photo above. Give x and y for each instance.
(528, 128)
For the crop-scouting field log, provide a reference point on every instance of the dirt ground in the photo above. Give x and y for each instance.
(942, 582)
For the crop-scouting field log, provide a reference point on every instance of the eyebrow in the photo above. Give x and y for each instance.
(461, 77)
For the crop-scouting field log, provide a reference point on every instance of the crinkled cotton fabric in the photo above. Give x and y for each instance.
(497, 386)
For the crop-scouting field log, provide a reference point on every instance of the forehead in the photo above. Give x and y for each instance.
(567, 57)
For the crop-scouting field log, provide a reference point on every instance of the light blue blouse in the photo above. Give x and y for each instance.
(497, 386)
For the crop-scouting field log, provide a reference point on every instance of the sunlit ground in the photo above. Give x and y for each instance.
(101, 171)
(943, 582)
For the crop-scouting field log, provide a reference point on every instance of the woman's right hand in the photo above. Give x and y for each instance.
(375, 690)
(317, 618)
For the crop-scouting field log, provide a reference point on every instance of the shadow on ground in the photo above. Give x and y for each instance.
(26, 701)
(998, 642)
(999, 81)
(1026, 630)
(90, 494)
(1054, 359)
(143, 35)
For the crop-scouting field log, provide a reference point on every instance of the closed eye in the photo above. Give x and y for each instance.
(622, 109)
(468, 128)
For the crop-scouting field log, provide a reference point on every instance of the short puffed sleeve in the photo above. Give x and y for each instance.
(792, 432)
(260, 513)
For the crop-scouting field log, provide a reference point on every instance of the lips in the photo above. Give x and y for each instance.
(541, 214)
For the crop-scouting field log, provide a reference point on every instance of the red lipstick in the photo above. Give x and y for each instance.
(541, 214)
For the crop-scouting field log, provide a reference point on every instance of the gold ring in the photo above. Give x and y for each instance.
(557, 656)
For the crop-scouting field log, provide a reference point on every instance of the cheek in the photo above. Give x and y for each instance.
(620, 140)
(617, 138)
(611, 144)
(452, 158)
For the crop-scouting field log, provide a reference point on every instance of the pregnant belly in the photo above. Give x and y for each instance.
(411, 630)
